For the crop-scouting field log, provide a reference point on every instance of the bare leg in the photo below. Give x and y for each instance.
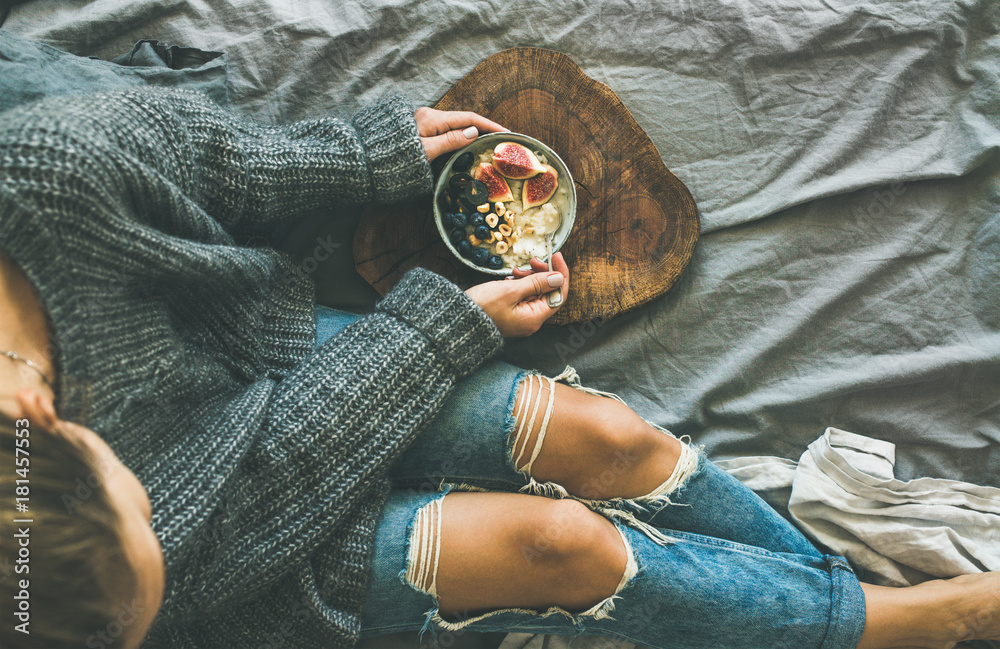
(503, 550)
(500, 550)
(599, 448)
(593, 446)
(596, 448)
(936, 614)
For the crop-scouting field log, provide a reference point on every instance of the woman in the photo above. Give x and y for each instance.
(315, 477)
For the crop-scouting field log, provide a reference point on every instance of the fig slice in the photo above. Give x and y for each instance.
(539, 189)
(499, 189)
(515, 161)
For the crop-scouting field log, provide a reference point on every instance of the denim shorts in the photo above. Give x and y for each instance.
(733, 574)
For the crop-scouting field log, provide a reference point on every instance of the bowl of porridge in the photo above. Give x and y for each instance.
(499, 200)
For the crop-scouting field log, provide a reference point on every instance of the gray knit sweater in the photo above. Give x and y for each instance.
(190, 349)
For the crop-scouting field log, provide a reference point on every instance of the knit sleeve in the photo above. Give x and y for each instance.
(247, 177)
(277, 458)
(331, 429)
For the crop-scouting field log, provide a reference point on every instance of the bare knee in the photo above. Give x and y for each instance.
(614, 428)
(486, 550)
(624, 448)
(593, 446)
(575, 550)
(600, 427)
(559, 532)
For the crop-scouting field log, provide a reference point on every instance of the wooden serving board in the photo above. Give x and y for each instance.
(636, 223)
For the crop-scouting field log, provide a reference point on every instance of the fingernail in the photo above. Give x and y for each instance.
(554, 299)
(470, 133)
(555, 280)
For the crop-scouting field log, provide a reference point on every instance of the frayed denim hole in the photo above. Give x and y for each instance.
(620, 508)
(435, 622)
(640, 504)
(649, 506)
(532, 402)
(637, 511)
(510, 421)
(430, 613)
(702, 462)
(432, 617)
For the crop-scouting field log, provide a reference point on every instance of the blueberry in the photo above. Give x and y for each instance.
(480, 256)
(476, 220)
(482, 232)
(463, 162)
(465, 248)
(458, 219)
(446, 220)
(495, 262)
(457, 236)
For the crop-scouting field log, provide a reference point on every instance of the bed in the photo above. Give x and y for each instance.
(843, 157)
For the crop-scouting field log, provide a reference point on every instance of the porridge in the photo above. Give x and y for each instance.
(499, 205)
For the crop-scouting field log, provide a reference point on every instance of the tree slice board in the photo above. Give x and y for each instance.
(636, 223)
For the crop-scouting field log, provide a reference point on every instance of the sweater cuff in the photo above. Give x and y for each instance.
(396, 157)
(456, 326)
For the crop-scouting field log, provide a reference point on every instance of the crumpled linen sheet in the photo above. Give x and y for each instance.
(843, 155)
(30, 71)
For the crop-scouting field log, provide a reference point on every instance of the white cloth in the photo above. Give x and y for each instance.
(844, 496)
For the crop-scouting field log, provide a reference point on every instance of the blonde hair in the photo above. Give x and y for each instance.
(77, 576)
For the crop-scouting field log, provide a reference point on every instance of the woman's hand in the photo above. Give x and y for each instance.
(444, 131)
(520, 304)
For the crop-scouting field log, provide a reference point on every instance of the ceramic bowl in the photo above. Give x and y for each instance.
(487, 143)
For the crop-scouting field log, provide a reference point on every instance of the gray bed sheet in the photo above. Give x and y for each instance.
(843, 156)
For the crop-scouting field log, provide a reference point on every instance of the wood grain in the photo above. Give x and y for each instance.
(636, 223)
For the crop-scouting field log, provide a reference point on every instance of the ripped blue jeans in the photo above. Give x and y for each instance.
(716, 567)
